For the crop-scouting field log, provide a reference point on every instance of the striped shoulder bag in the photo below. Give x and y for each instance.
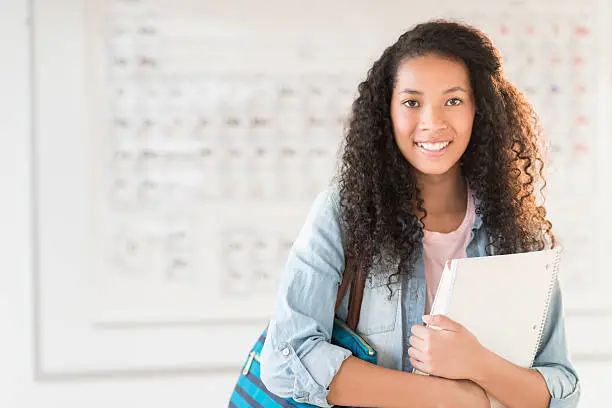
(250, 392)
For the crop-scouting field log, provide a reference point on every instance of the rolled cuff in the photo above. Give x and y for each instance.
(314, 371)
(563, 386)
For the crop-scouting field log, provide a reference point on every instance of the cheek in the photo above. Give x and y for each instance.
(463, 125)
(404, 125)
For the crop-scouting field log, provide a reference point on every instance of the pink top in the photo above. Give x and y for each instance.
(440, 247)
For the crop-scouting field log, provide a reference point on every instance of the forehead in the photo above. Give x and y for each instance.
(431, 73)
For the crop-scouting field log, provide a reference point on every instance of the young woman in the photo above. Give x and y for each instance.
(441, 160)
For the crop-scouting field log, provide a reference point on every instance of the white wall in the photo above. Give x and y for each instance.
(18, 386)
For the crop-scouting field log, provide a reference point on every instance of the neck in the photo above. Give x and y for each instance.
(443, 193)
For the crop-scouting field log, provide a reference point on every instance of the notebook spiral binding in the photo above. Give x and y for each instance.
(551, 288)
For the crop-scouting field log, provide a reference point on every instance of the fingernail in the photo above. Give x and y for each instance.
(426, 318)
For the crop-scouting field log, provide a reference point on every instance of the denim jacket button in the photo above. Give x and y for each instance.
(285, 352)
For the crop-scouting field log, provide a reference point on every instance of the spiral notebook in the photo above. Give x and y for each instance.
(503, 300)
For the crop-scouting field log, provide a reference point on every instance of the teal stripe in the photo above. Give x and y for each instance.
(257, 347)
(250, 399)
(255, 369)
(239, 401)
(257, 394)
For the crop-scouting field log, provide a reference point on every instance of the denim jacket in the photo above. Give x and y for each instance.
(298, 360)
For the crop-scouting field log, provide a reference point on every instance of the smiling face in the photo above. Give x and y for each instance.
(432, 109)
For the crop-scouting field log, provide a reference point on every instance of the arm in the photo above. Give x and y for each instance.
(298, 360)
(553, 358)
(513, 386)
(551, 382)
(359, 383)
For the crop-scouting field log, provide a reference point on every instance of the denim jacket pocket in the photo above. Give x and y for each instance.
(379, 308)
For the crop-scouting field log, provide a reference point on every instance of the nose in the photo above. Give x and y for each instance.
(432, 119)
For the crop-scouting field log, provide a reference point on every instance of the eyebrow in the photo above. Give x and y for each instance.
(415, 92)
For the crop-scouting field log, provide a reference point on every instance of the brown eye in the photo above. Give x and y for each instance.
(411, 104)
(454, 102)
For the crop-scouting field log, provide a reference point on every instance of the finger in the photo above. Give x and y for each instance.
(420, 331)
(419, 365)
(443, 322)
(418, 343)
(416, 354)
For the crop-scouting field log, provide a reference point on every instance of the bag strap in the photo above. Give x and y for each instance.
(355, 277)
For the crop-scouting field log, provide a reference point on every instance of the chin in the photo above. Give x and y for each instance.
(433, 170)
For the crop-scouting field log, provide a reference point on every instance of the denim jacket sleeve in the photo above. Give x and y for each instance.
(297, 359)
(552, 359)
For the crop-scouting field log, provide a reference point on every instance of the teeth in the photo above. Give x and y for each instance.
(434, 147)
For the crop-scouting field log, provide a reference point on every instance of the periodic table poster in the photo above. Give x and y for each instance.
(212, 127)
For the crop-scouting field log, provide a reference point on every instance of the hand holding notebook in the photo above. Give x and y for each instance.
(502, 300)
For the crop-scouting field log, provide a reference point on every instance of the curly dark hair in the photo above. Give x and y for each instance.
(502, 163)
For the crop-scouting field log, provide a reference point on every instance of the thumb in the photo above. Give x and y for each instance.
(442, 322)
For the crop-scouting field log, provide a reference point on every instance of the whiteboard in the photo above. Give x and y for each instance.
(179, 144)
